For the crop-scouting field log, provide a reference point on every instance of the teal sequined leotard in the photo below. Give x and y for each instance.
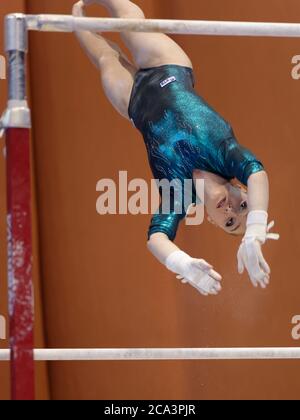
(183, 133)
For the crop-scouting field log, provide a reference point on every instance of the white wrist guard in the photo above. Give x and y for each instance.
(177, 261)
(258, 228)
(259, 217)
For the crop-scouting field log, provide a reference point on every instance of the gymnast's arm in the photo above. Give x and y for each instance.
(197, 272)
(258, 191)
(241, 163)
(161, 247)
(258, 231)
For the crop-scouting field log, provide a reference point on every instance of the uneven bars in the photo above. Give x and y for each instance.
(66, 23)
(272, 353)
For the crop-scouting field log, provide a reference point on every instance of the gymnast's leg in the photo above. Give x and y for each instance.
(117, 72)
(148, 49)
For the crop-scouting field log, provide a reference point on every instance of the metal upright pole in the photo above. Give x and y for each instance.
(16, 123)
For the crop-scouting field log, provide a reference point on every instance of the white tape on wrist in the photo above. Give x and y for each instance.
(176, 260)
(257, 217)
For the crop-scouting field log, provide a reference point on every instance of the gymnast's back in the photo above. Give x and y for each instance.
(178, 126)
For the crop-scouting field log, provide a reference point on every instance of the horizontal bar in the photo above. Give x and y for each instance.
(275, 353)
(66, 23)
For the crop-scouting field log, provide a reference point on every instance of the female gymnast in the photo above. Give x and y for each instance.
(185, 139)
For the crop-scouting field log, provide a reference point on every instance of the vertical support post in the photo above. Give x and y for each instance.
(20, 284)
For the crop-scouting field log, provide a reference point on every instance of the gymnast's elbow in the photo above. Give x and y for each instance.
(155, 239)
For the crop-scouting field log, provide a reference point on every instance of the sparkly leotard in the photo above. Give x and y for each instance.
(183, 133)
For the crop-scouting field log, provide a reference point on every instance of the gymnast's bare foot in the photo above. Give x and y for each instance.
(78, 9)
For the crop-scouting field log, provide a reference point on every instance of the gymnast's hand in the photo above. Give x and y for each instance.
(197, 273)
(250, 254)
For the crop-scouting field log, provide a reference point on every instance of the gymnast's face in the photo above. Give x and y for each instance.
(227, 208)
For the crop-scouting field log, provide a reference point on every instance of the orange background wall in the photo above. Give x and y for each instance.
(100, 286)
